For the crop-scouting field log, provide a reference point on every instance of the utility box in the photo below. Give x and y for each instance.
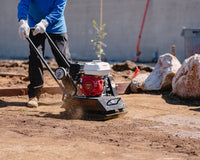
(191, 41)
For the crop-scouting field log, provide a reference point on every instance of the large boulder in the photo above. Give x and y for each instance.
(162, 75)
(186, 82)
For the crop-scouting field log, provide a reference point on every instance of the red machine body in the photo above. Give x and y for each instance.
(91, 86)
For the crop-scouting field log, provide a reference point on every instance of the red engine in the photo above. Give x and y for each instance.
(91, 86)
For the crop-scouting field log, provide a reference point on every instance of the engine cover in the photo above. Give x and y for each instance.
(96, 67)
(91, 86)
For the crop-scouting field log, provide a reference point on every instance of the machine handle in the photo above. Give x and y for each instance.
(43, 60)
(57, 50)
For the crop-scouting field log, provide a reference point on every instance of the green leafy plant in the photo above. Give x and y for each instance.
(97, 41)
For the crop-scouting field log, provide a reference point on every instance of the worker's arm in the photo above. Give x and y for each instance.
(57, 11)
(23, 8)
(56, 14)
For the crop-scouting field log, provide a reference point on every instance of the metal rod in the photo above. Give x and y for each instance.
(141, 30)
(43, 60)
(57, 50)
(62, 56)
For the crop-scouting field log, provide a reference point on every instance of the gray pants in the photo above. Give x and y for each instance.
(35, 64)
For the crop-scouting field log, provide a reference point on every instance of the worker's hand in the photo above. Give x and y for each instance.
(40, 27)
(24, 29)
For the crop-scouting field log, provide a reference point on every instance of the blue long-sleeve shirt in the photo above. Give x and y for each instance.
(50, 10)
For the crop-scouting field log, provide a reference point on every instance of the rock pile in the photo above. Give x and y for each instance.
(160, 78)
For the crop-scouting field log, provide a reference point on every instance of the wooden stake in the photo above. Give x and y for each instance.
(101, 15)
(173, 48)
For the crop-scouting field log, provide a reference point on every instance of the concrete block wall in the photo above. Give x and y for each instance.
(123, 18)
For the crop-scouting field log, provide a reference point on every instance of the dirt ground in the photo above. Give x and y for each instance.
(158, 126)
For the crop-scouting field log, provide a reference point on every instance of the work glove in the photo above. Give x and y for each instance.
(40, 27)
(24, 29)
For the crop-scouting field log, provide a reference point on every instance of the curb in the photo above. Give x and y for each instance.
(122, 88)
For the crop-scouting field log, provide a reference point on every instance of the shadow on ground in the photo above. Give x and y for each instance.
(175, 100)
(6, 104)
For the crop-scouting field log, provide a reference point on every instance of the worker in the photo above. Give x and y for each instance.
(35, 17)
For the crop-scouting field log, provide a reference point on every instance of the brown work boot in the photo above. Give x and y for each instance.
(33, 102)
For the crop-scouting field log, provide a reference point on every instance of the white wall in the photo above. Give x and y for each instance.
(164, 22)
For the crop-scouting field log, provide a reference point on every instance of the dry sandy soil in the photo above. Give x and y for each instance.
(158, 126)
